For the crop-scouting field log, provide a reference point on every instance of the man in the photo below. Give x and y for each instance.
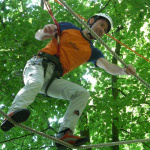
(41, 72)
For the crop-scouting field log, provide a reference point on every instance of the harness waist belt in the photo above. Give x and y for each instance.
(54, 59)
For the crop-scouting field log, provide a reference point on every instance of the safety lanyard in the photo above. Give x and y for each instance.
(56, 23)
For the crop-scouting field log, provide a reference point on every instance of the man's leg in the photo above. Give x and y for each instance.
(77, 95)
(33, 79)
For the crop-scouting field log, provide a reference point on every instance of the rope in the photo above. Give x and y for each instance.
(67, 144)
(101, 41)
(62, 142)
(128, 48)
(47, 4)
(113, 143)
(111, 36)
(35, 131)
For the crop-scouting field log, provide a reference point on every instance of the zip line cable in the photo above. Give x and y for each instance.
(111, 36)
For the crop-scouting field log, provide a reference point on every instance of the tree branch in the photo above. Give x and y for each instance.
(2, 22)
(122, 92)
(23, 136)
(120, 27)
(146, 145)
(104, 6)
(147, 5)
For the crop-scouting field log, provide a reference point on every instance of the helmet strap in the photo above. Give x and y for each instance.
(91, 37)
(91, 21)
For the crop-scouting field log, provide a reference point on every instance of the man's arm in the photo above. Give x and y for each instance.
(114, 69)
(47, 32)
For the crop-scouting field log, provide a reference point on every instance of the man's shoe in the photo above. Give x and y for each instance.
(19, 116)
(67, 136)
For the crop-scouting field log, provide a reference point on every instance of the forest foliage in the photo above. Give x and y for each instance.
(19, 21)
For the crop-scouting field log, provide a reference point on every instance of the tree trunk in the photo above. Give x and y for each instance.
(85, 132)
(115, 131)
(42, 4)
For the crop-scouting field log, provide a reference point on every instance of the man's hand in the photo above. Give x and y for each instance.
(50, 29)
(130, 70)
(47, 32)
(114, 69)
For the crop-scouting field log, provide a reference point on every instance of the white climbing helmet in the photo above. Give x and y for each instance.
(98, 16)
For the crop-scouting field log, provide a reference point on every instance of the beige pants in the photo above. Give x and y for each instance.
(36, 83)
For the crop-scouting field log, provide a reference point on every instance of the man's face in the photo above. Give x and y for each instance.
(100, 27)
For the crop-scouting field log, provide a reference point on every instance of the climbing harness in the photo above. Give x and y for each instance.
(58, 71)
(101, 41)
(51, 58)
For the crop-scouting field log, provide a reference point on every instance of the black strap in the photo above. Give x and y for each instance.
(45, 64)
(54, 59)
(58, 71)
(55, 75)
